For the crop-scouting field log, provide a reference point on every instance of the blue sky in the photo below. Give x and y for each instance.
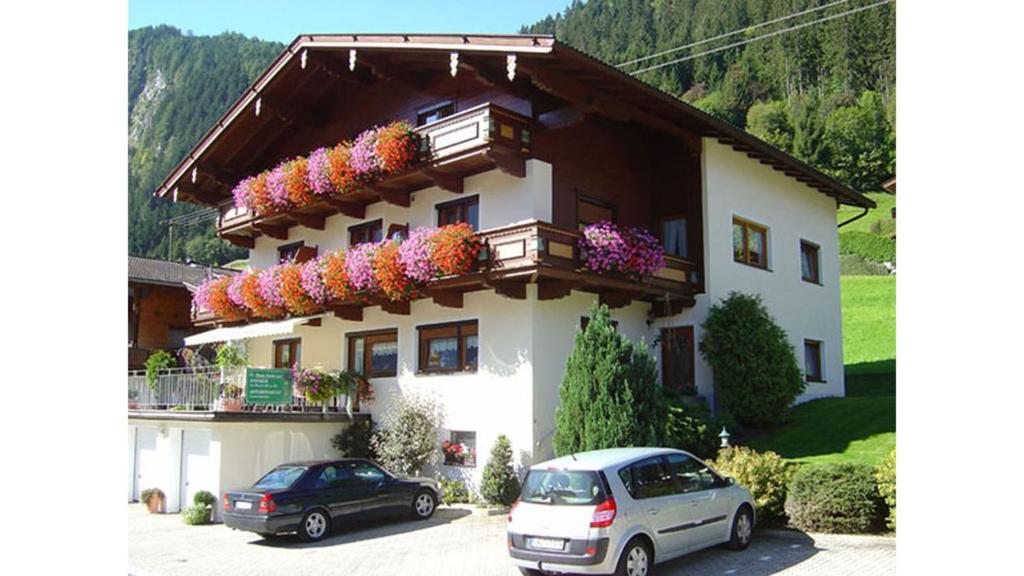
(282, 20)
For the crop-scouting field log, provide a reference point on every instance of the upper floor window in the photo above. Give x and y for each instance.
(749, 243)
(398, 232)
(435, 113)
(374, 354)
(287, 353)
(287, 252)
(449, 347)
(812, 361)
(463, 210)
(367, 232)
(673, 235)
(810, 262)
(590, 210)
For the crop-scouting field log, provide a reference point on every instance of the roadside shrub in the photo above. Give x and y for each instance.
(355, 441)
(407, 439)
(755, 369)
(885, 475)
(196, 514)
(871, 246)
(765, 474)
(610, 395)
(857, 265)
(500, 484)
(453, 492)
(204, 498)
(689, 426)
(838, 498)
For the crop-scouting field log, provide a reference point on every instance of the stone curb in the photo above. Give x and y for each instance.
(476, 510)
(798, 535)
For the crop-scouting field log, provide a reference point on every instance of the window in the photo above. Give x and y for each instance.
(812, 361)
(563, 487)
(673, 235)
(287, 353)
(678, 359)
(279, 478)
(366, 473)
(449, 347)
(374, 354)
(651, 479)
(690, 474)
(368, 232)
(749, 243)
(288, 252)
(590, 210)
(435, 112)
(463, 210)
(809, 262)
(328, 477)
(398, 232)
(460, 449)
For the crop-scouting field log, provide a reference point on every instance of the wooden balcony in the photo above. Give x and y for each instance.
(538, 253)
(483, 138)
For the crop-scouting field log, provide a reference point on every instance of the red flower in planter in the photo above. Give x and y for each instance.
(389, 273)
(295, 296)
(336, 277)
(454, 248)
(254, 301)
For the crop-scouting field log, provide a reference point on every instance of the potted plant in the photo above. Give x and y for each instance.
(316, 385)
(154, 500)
(230, 400)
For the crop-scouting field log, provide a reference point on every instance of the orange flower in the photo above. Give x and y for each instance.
(336, 278)
(295, 183)
(390, 274)
(454, 249)
(220, 303)
(295, 297)
(254, 301)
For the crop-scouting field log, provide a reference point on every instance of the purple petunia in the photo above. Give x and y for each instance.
(414, 255)
(201, 297)
(630, 251)
(318, 173)
(364, 159)
(312, 279)
(241, 193)
(276, 188)
(235, 290)
(268, 284)
(359, 266)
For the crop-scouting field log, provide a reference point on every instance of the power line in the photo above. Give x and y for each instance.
(733, 33)
(193, 217)
(761, 37)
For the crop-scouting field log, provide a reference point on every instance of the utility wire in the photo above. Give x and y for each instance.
(192, 217)
(733, 33)
(761, 37)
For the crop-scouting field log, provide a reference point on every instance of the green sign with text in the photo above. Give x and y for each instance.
(268, 386)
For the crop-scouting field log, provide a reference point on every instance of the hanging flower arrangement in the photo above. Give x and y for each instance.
(362, 388)
(396, 147)
(342, 175)
(219, 302)
(414, 255)
(235, 290)
(296, 299)
(454, 248)
(312, 278)
(314, 384)
(359, 267)
(277, 190)
(254, 300)
(389, 274)
(629, 251)
(335, 277)
(295, 182)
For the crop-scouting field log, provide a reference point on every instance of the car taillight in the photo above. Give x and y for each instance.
(227, 502)
(604, 514)
(512, 509)
(267, 504)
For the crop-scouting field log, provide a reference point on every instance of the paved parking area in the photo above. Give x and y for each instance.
(454, 543)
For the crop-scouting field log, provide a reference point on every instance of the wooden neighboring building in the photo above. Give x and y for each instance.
(160, 305)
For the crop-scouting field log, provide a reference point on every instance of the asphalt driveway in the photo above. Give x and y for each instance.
(454, 543)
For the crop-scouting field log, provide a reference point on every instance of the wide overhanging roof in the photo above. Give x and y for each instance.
(554, 67)
(248, 331)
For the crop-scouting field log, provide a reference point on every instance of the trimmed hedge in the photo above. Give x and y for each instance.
(765, 474)
(836, 498)
(885, 475)
(871, 246)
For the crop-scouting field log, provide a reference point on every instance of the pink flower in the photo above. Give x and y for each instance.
(313, 280)
(269, 286)
(414, 255)
(359, 266)
(318, 173)
(277, 189)
(235, 290)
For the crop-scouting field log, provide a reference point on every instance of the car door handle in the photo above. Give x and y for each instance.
(653, 511)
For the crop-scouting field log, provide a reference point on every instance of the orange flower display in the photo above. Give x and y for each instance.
(219, 302)
(336, 278)
(454, 248)
(254, 301)
(342, 175)
(295, 183)
(389, 273)
(396, 147)
(295, 296)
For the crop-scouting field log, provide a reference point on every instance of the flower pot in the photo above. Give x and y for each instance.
(155, 504)
(133, 405)
(228, 405)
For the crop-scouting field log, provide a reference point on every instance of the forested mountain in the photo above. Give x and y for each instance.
(825, 93)
(179, 85)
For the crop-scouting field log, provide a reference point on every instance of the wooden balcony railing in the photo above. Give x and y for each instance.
(476, 140)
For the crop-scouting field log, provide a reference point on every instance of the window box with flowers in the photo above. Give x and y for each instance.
(460, 449)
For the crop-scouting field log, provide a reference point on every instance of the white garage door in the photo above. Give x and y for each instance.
(147, 467)
(196, 467)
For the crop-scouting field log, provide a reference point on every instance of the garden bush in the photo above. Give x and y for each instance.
(857, 265)
(755, 370)
(355, 440)
(838, 498)
(407, 439)
(689, 426)
(765, 474)
(500, 484)
(196, 515)
(871, 246)
(204, 498)
(453, 492)
(885, 475)
(610, 395)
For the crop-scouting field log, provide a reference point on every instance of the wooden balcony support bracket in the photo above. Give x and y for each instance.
(312, 322)
(240, 241)
(554, 289)
(507, 161)
(392, 197)
(446, 298)
(399, 308)
(449, 182)
(513, 289)
(617, 299)
(279, 232)
(353, 312)
(350, 209)
(665, 308)
(308, 220)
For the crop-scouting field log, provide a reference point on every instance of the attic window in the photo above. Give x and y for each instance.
(435, 112)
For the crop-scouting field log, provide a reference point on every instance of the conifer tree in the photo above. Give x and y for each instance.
(500, 484)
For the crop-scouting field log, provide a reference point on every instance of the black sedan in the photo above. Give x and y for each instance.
(312, 497)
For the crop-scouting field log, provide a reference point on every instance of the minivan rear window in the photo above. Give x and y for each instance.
(563, 488)
(280, 478)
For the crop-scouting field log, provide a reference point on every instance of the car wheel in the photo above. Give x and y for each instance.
(636, 559)
(742, 529)
(424, 504)
(314, 526)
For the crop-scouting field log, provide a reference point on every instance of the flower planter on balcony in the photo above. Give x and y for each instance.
(228, 405)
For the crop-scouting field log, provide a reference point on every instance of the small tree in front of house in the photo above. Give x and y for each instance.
(756, 373)
(406, 442)
(500, 484)
(610, 394)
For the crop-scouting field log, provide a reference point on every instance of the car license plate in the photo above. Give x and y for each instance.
(547, 543)
(243, 505)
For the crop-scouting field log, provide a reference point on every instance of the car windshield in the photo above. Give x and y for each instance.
(279, 478)
(563, 487)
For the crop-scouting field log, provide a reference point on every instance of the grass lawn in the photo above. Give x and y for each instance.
(860, 428)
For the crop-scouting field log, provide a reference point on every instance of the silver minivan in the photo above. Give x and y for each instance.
(620, 511)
